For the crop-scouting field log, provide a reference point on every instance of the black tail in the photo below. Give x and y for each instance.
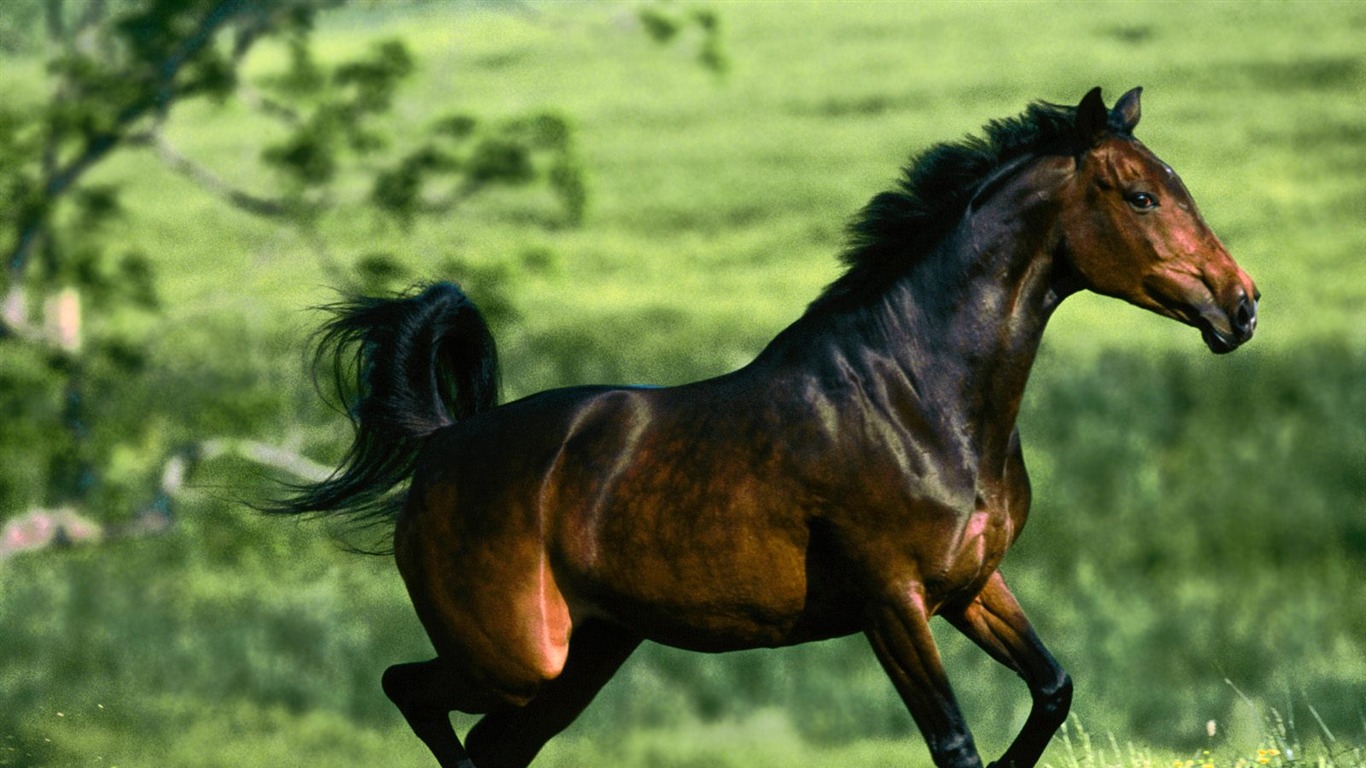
(421, 361)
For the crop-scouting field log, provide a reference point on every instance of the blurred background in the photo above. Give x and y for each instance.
(646, 193)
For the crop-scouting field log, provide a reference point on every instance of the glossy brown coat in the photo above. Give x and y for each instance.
(863, 474)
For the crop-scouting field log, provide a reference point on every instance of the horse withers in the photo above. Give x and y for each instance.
(862, 474)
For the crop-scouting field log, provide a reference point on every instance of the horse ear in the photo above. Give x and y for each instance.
(1128, 109)
(1092, 118)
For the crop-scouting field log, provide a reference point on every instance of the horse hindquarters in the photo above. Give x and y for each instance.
(511, 738)
(501, 631)
(492, 609)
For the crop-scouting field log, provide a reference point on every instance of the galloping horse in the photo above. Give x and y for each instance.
(863, 474)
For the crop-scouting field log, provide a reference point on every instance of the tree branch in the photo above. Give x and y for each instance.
(220, 14)
(329, 264)
(206, 178)
(269, 455)
(450, 202)
(63, 527)
(267, 106)
(98, 145)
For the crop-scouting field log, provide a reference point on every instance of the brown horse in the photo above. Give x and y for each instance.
(863, 474)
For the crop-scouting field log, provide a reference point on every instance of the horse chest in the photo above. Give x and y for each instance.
(982, 542)
(982, 536)
(942, 531)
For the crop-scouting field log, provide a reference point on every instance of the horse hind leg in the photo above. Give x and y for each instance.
(426, 692)
(511, 738)
(503, 667)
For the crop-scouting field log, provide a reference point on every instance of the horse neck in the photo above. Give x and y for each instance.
(949, 346)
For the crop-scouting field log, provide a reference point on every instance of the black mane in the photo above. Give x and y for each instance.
(899, 227)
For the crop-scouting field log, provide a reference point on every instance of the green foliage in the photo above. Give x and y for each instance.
(665, 25)
(468, 157)
(30, 403)
(499, 159)
(114, 72)
(18, 24)
(303, 77)
(660, 26)
(333, 113)
(111, 69)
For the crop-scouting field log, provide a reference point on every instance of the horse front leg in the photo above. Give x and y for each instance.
(995, 622)
(899, 631)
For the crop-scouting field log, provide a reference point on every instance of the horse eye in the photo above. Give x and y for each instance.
(1142, 201)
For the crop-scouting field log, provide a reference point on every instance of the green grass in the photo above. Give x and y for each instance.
(1196, 518)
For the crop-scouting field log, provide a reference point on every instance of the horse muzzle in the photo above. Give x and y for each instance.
(1225, 331)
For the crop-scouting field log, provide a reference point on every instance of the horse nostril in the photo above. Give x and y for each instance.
(1245, 318)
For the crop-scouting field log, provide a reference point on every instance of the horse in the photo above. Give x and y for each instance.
(862, 474)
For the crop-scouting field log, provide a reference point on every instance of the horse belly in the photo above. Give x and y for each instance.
(714, 589)
(732, 612)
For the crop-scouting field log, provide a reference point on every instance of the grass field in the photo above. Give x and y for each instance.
(1196, 519)
(724, 202)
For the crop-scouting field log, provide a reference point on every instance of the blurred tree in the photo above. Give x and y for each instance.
(116, 70)
(113, 67)
(115, 73)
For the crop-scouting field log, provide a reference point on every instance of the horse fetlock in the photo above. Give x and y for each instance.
(955, 751)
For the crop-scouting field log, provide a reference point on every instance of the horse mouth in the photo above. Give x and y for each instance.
(1223, 331)
(1218, 343)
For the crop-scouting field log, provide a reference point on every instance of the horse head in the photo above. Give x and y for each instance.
(1132, 231)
